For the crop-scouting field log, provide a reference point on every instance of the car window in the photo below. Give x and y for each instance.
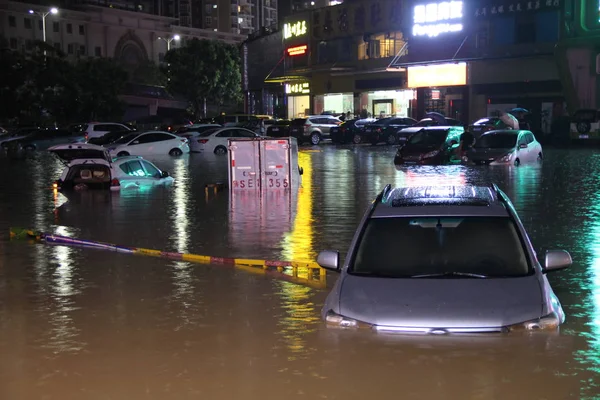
(126, 139)
(489, 246)
(299, 121)
(133, 168)
(226, 133)
(529, 137)
(314, 120)
(151, 170)
(208, 132)
(395, 121)
(522, 140)
(434, 137)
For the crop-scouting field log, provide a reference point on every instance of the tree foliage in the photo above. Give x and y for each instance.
(204, 70)
(47, 88)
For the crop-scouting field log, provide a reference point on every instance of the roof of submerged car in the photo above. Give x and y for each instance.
(424, 201)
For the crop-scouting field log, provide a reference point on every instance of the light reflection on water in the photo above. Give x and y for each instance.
(175, 328)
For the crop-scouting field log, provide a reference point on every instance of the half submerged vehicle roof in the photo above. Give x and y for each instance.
(80, 151)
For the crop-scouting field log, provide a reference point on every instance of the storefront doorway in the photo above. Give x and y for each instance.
(383, 108)
(298, 106)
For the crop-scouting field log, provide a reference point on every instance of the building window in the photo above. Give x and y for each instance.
(481, 39)
(98, 51)
(81, 30)
(208, 8)
(12, 21)
(13, 43)
(69, 28)
(40, 25)
(208, 21)
(57, 46)
(27, 23)
(70, 48)
(82, 50)
(56, 27)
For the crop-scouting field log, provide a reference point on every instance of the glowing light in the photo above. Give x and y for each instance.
(297, 88)
(295, 29)
(437, 75)
(437, 18)
(180, 206)
(298, 50)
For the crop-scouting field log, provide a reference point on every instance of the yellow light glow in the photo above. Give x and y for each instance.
(437, 75)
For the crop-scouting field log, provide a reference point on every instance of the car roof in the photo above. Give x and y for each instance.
(434, 201)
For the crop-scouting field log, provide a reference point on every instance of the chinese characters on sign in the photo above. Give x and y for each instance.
(506, 8)
(295, 29)
(297, 50)
(437, 18)
(297, 88)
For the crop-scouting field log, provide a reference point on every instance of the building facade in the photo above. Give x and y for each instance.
(130, 37)
(404, 58)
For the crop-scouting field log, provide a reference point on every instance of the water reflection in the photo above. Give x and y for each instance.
(180, 217)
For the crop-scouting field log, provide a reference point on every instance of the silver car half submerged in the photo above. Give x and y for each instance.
(439, 260)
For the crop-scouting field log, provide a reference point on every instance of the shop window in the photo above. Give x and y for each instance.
(502, 31)
(546, 26)
(382, 45)
(525, 29)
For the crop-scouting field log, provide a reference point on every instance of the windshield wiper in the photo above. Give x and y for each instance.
(451, 274)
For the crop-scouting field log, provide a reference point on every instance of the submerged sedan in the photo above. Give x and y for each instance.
(432, 145)
(507, 147)
(443, 260)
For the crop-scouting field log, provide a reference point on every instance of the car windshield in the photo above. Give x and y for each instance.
(433, 137)
(461, 247)
(496, 141)
(126, 139)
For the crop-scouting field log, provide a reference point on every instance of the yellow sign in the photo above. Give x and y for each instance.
(454, 74)
(296, 29)
(297, 88)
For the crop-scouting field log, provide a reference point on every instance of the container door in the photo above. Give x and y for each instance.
(244, 163)
(275, 164)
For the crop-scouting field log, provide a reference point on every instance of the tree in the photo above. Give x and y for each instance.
(148, 73)
(204, 71)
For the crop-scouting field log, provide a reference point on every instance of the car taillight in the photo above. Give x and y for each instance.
(203, 141)
(115, 182)
(85, 135)
(378, 129)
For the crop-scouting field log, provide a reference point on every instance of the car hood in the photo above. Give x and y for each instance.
(80, 151)
(487, 154)
(441, 303)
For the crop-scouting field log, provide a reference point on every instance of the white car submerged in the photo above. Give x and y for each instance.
(89, 166)
(215, 140)
(149, 143)
(506, 147)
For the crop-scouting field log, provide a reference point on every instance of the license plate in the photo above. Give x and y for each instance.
(275, 129)
(584, 136)
(402, 139)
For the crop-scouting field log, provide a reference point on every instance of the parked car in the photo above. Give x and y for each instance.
(465, 265)
(313, 129)
(16, 135)
(161, 123)
(44, 138)
(215, 140)
(195, 129)
(405, 133)
(350, 131)
(506, 147)
(89, 166)
(109, 137)
(386, 129)
(279, 128)
(149, 143)
(431, 145)
(98, 129)
(487, 124)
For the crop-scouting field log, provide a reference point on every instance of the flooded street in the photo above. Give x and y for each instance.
(87, 324)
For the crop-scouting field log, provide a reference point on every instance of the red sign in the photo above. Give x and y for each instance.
(298, 50)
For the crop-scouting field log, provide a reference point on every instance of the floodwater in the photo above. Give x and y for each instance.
(78, 323)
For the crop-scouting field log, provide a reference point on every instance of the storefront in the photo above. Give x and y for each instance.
(387, 103)
(334, 103)
(298, 99)
(440, 88)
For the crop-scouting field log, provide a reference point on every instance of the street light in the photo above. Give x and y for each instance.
(43, 14)
(176, 38)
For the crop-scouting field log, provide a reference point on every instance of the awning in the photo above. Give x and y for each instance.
(285, 79)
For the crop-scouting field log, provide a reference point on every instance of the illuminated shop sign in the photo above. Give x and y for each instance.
(296, 29)
(505, 7)
(297, 88)
(298, 50)
(437, 18)
(437, 75)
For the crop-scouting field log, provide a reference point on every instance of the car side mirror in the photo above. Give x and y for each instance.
(164, 174)
(329, 259)
(523, 146)
(556, 260)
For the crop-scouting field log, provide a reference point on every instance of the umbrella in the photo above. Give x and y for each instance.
(437, 117)
(510, 120)
(518, 110)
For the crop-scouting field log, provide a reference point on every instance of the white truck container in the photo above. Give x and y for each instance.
(264, 164)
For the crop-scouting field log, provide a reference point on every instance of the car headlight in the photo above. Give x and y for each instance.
(507, 157)
(335, 320)
(431, 154)
(549, 322)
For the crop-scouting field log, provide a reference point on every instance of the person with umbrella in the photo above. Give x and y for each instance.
(520, 113)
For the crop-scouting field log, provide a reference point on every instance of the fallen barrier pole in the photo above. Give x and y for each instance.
(306, 273)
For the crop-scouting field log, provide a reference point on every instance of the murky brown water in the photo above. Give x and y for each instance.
(85, 324)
